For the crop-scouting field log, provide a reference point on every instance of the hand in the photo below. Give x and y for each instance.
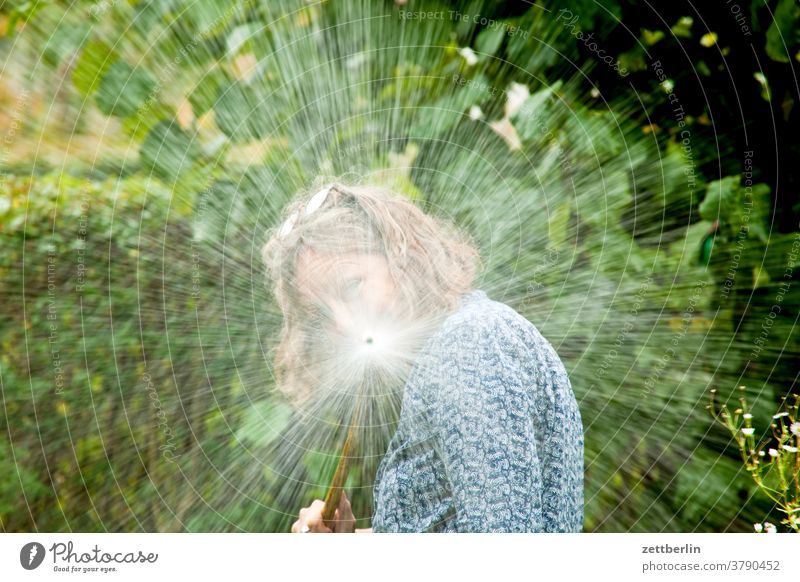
(311, 517)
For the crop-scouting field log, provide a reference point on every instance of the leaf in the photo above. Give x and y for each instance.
(242, 113)
(651, 37)
(633, 60)
(490, 39)
(558, 224)
(210, 17)
(167, 150)
(20, 13)
(146, 117)
(437, 118)
(65, 40)
(706, 249)
(781, 32)
(320, 466)
(240, 36)
(766, 93)
(264, 422)
(124, 90)
(708, 482)
(738, 208)
(760, 277)
(536, 115)
(683, 27)
(595, 135)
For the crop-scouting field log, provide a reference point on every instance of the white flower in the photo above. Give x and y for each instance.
(748, 431)
(780, 414)
(475, 113)
(773, 453)
(356, 61)
(794, 428)
(469, 55)
(747, 415)
(758, 527)
(770, 528)
(760, 453)
(790, 449)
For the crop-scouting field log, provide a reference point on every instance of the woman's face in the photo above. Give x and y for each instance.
(353, 289)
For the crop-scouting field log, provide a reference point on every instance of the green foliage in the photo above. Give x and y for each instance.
(94, 62)
(67, 38)
(265, 422)
(738, 209)
(148, 285)
(242, 112)
(123, 89)
(774, 469)
(783, 35)
(168, 151)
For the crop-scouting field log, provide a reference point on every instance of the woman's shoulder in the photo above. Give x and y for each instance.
(488, 344)
(479, 317)
(482, 326)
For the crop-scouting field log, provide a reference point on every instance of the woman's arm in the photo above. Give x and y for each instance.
(483, 429)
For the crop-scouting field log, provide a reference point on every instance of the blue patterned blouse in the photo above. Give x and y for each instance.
(489, 438)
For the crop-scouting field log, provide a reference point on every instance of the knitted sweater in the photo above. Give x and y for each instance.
(489, 437)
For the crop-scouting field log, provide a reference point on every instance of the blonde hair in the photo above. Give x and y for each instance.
(431, 262)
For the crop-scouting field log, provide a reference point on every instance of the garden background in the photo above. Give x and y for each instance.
(149, 146)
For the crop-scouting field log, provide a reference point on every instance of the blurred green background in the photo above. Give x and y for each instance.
(149, 145)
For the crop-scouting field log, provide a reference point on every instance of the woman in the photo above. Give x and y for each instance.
(489, 437)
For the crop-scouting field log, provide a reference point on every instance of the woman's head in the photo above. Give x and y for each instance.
(352, 257)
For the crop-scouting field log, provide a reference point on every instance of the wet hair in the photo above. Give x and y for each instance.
(432, 263)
